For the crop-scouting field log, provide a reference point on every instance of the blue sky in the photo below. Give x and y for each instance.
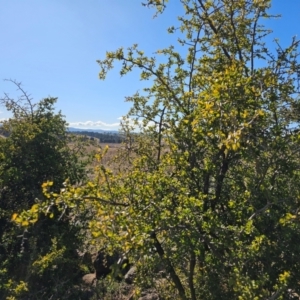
(51, 46)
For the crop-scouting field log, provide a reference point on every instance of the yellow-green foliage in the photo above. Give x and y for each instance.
(15, 290)
(49, 260)
(37, 247)
(206, 188)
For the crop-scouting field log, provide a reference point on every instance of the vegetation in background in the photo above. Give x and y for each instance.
(102, 137)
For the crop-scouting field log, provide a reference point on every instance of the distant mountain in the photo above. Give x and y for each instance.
(104, 136)
(72, 129)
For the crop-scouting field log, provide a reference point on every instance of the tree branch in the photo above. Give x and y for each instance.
(169, 266)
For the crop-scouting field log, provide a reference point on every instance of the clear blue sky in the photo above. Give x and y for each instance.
(51, 46)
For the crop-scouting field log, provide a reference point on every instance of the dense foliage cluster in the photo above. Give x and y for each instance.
(206, 186)
(40, 261)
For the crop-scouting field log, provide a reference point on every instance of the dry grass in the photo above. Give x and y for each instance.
(108, 158)
(112, 151)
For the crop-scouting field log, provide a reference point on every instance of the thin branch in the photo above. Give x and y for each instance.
(220, 178)
(160, 134)
(24, 96)
(253, 42)
(170, 269)
(170, 90)
(213, 28)
(104, 201)
(275, 295)
(235, 35)
(194, 58)
(191, 275)
(260, 210)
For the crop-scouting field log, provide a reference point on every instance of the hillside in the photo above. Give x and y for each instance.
(102, 136)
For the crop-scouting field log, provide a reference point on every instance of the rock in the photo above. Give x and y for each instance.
(89, 279)
(130, 275)
(150, 296)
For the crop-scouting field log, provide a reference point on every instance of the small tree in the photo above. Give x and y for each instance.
(40, 261)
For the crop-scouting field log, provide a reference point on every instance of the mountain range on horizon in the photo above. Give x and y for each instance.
(73, 129)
